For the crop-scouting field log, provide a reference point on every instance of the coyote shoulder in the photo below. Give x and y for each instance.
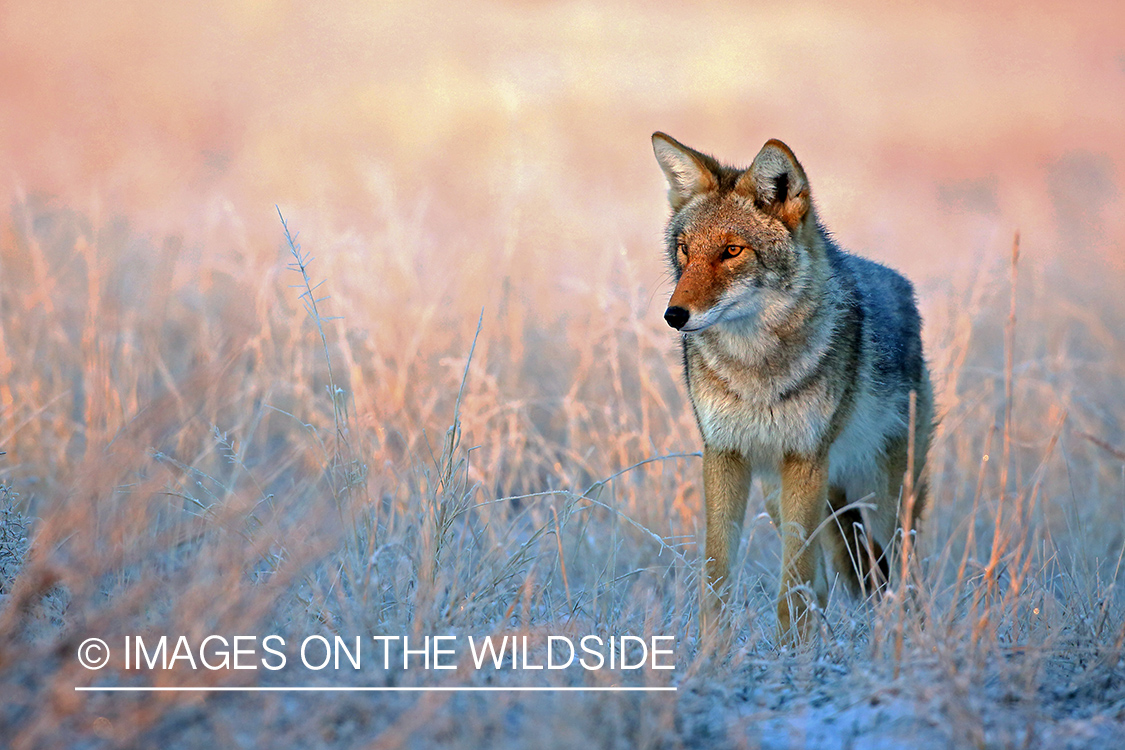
(801, 360)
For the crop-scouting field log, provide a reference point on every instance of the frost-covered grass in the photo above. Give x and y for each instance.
(188, 472)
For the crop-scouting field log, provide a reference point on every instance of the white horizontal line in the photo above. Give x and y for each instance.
(332, 689)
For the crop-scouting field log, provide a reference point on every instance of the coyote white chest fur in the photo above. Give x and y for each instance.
(800, 361)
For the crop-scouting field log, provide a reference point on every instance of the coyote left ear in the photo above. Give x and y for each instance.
(777, 184)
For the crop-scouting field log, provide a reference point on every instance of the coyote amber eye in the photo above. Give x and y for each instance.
(731, 251)
(681, 248)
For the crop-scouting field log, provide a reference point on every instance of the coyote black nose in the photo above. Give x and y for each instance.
(677, 317)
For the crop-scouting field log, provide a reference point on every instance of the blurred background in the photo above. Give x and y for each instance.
(930, 132)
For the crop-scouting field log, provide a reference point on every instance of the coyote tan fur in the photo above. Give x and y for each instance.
(800, 360)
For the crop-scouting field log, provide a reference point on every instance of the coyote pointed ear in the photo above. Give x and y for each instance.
(688, 172)
(777, 183)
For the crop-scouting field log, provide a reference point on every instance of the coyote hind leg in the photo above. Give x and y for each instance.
(858, 558)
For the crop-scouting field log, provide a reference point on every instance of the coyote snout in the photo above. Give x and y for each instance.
(676, 316)
(800, 361)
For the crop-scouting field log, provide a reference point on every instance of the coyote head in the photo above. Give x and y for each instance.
(739, 241)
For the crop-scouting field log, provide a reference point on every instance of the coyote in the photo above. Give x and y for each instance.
(801, 361)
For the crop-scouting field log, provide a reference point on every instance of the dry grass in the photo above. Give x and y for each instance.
(197, 477)
(209, 429)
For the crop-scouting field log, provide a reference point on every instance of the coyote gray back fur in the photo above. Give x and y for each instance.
(800, 360)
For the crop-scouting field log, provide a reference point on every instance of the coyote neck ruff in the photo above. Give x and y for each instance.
(800, 361)
(762, 385)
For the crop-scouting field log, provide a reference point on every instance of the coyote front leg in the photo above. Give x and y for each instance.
(726, 486)
(804, 501)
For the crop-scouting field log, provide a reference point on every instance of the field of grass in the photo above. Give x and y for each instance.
(446, 403)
